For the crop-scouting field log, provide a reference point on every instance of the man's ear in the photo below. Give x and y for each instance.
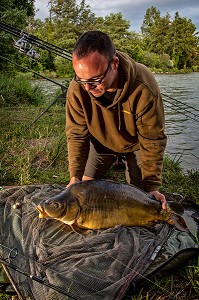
(115, 63)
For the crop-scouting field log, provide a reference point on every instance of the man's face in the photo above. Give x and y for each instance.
(96, 73)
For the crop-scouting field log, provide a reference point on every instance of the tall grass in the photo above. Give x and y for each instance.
(175, 181)
(33, 155)
(16, 90)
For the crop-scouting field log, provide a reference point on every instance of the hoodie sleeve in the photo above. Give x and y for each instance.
(77, 134)
(152, 139)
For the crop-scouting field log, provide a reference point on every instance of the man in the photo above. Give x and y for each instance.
(113, 107)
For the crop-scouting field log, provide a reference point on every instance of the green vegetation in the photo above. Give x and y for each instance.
(7, 297)
(175, 181)
(16, 89)
(182, 285)
(36, 154)
(165, 44)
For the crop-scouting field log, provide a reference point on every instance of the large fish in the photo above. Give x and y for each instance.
(100, 204)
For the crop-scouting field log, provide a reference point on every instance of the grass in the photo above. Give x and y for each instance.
(181, 285)
(16, 89)
(35, 154)
(175, 181)
(38, 154)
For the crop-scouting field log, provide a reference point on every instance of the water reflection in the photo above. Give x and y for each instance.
(182, 120)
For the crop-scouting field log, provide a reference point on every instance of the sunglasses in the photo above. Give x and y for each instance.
(94, 82)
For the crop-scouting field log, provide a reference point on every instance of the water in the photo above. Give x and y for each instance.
(182, 121)
(182, 130)
(50, 88)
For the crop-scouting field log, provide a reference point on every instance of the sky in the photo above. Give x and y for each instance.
(134, 10)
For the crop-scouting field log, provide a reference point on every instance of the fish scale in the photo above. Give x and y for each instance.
(101, 204)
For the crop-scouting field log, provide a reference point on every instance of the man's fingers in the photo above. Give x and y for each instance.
(159, 197)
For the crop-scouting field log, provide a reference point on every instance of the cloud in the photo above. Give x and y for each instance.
(41, 9)
(134, 10)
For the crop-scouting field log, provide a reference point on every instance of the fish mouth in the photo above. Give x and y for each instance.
(42, 213)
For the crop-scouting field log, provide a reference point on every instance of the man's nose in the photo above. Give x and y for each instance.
(89, 86)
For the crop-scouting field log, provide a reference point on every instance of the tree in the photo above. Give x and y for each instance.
(150, 18)
(86, 19)
(118, 29)
(114, 25)
(14, 13)
(155, 30)
(176, 38)
(27, 5)
(183, 41)
(66, 22)
(69, 21)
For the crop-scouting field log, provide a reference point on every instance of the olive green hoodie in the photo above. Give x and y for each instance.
(134, 120)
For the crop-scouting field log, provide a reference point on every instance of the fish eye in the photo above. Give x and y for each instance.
(56, 205)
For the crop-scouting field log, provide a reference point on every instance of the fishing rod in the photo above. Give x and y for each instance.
(178, 110)
(34, 72)
(26, 40)
(182, 108)
(180, 102)
(13, 253)
(36, 278)
(33, 39)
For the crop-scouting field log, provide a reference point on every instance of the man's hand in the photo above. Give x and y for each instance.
(159, 197)
(73, 180)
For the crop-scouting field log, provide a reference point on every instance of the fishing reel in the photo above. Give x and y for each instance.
(33, 54)
(26, 48)
(22, 45)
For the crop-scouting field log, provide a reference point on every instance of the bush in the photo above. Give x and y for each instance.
(16, 90)
(157, 62)
(63, 67)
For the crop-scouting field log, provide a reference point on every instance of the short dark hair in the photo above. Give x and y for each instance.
(92, 41)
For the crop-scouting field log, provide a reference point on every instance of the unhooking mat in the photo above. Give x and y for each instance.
(45, 259)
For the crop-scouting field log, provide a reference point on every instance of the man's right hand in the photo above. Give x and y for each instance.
(73, 180)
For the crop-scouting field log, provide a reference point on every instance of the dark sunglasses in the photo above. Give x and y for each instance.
(94, 82)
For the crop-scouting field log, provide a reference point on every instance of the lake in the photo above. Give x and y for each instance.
(181, 101)
(182, 117)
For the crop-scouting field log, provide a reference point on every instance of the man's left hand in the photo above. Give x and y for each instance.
(159, 197)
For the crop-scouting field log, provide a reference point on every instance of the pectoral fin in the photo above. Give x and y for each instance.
(42, 213)
(178, 222)
(79, 230)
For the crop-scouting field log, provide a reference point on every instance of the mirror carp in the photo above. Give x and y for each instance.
(101, 204)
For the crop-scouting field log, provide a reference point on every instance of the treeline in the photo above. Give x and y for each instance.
(164, 45)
